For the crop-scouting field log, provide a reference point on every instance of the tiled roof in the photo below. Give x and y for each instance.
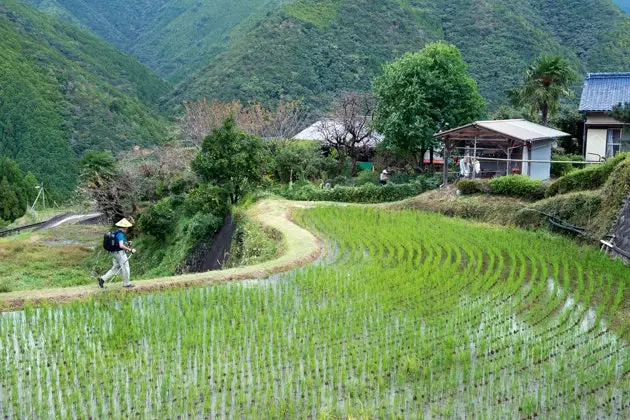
(602, 91)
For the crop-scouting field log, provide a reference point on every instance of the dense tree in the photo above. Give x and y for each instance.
(546, 82)
(64, 92)
(230, 159)
(422, 93)
(17, 190)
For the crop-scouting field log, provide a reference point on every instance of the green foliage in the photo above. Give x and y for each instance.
(368, 193)
(206, 199)
(621, 112)
(559, 169)
(231, 160)
(17, 190)
(590, 178)
(329, 50)
(200, 226)
(422, 93)
(319, 13)
(473, 186)
(614, 192)
(65, 92)
(97, 167)
(546, 81)
(252, 244)
(518, 186)
(577, 209)
(367, 177)
(158, 220)
(301, 161)
(175, 38)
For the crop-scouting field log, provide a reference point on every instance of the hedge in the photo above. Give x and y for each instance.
(590, 178)
(518, 186)
(512, 186)
(562, 165)
(368, 193)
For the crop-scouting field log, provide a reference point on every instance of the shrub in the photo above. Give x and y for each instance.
(559, 168)
(202, 226)
(368, 193)
(294, 161)
(207, 199)
(473, 186)
(367, 177)
(590, 178)
(518, 186)
(158, 220)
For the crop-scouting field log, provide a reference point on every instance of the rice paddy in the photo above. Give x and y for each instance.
(408, 315)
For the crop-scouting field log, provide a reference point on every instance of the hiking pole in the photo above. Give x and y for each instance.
(120, 266)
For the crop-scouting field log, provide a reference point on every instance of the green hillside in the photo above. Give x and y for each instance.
(64, 91)
(174, 37)
(313, 49)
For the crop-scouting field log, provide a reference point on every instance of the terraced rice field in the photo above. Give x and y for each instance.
(408, 315)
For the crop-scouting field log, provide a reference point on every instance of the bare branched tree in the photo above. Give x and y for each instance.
(202, 117)
(349, 130)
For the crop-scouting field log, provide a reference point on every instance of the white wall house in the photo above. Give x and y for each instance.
(603, 135)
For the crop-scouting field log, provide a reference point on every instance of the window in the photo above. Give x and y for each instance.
(613, 142)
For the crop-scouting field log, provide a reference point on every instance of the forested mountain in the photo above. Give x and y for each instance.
(624, 4)
(313, 49)
(63, 91)
(173, 37)
(266, 49)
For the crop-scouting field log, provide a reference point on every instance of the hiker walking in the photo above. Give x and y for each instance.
(121, 259)
(384, 177)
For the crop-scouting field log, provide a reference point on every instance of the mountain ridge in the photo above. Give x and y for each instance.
(64, 92)
(342, 45)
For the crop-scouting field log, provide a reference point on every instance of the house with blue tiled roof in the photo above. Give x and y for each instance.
(603, 135)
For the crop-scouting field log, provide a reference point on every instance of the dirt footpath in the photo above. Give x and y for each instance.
(300, 248)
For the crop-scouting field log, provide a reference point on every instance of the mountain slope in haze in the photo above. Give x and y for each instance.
(174, 37)
(624, 4)
(64, 91)
(314, 49)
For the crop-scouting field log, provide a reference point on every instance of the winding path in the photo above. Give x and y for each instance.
(300, 248)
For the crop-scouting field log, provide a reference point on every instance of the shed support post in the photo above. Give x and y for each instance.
(447, 147)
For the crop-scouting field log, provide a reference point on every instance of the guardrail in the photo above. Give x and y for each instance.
(17, 230)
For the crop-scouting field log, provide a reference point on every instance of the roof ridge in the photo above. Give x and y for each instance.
(607, 75)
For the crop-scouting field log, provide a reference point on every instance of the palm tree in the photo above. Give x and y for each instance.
(545, 82)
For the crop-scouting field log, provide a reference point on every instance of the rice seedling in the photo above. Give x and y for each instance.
(407, 315)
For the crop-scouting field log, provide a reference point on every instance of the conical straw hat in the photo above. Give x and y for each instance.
(124, 223)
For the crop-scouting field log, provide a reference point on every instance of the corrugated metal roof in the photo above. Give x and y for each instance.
(517, 129)
(602, 91)
(522, 129)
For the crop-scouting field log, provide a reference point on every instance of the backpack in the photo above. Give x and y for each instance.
(110, 243)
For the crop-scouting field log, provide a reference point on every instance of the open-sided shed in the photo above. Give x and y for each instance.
(503, 147)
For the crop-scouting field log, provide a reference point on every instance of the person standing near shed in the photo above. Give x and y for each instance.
(384, 177)
(121, 259)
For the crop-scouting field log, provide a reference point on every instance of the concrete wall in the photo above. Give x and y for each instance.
(596, 143)
(600, 118)
(540, 151)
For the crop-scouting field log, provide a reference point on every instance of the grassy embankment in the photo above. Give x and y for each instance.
(57, 257)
